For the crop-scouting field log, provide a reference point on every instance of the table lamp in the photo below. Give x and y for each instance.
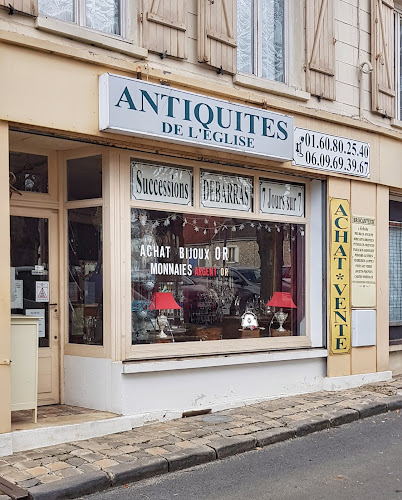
(281, 299)
(161, 301)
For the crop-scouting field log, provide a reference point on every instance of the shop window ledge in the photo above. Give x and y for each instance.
(75, 32)
(185, 363)
(395, 345)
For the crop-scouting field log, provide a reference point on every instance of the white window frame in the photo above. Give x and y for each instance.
(79, 21)
(257, 51)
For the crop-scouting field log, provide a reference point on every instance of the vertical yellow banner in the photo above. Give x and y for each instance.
(340, 326)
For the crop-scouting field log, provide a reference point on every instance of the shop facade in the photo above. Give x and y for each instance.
(187, 247)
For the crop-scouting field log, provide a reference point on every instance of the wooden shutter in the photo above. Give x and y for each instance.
(217, 34)
(29, 7)
(164, 27)
(382, 57)
(320, 48)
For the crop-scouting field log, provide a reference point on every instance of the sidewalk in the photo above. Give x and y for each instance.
(82, 467)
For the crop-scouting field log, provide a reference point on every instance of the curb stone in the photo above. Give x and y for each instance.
(71, 487)
(370, 409)
(310, 425)
(191, 457)
(131, 472)
(394, 403)
(344, 416)
(271, 436)
(225, 447)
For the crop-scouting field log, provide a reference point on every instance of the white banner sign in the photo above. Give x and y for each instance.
(226, 191)
(143, 109)
(328, 152)
(281, 198)
(161, 184)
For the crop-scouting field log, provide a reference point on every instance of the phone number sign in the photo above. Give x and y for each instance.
(329, 152)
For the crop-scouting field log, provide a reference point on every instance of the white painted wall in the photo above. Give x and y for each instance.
(161, 390)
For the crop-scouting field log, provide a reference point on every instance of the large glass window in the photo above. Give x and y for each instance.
(260, 38)
(395, 272)
(85, 293)
(100, 15)
(205, 277)
(84, 178)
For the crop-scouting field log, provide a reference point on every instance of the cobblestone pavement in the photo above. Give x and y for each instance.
(176, 438)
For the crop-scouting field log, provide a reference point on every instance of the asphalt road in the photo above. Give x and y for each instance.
(362, 460)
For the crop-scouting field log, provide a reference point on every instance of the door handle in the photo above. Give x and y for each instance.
(53, 304)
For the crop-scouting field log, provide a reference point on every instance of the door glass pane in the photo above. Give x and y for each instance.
(30, 271)
(272, 39)
(245, 36)
(29, 172)
(84, 178)
(103, 15)
(85, 294)
(62, 9)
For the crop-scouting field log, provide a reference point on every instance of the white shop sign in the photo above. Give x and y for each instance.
(161, 184)
(281, 198)
(231, 192)
(38, 313)
(328, 152)
(142, 109)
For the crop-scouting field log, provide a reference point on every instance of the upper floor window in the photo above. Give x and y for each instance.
(261, 38)
(100, 15)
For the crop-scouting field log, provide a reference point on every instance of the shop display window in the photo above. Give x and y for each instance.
(85, 293)
(202, 277)
(29, 172)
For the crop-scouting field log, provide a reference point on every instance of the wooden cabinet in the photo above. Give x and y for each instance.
(24, 364)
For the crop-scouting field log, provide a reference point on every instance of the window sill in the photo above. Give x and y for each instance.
(396, 123)
(277, 88)
(397, 346)
(185, 363)
(74, 32)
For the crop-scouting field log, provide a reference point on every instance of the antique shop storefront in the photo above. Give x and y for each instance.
(175, 258)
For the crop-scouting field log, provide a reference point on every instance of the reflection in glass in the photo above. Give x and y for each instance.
(30, 172)
(187, 259)
(84, 178)
(272, 39)
(29, 238)
(85, 294)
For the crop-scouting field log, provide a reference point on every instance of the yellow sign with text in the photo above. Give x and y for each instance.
(340, 315)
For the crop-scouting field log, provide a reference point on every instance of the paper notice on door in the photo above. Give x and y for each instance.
(42, 291)
(38, 313)
(17, 295)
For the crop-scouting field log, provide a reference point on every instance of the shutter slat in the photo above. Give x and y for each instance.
(217, 34)
(29, 7)
(320, 48)
(165, 27)
(382, 54)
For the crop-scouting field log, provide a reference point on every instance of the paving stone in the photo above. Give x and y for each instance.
(58, 466)
(75, 461)
(28, 483)
(71, 472)
(105, 462)
(49, 478)
(369, 409)
(394, 402)
(343, 416)
(310, 425)
(37, 471)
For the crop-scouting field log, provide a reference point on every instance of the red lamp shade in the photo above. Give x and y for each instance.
(281, 299)
(163, 300)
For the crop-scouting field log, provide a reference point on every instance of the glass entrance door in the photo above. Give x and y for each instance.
(34, 289)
